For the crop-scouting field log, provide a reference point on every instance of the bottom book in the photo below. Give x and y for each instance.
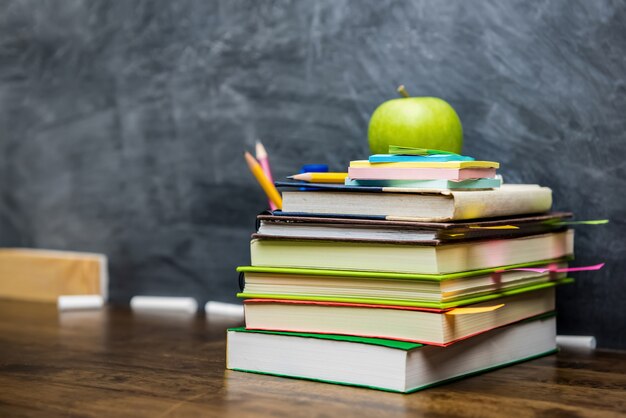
(388, 365)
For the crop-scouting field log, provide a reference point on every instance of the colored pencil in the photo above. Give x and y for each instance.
(261, 156)
(267, 186)
(321, 177)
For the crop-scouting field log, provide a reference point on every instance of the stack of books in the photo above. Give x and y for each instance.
(401, 280)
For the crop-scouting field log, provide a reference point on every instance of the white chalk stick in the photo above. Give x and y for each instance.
(162, 303)
(225, 309)
(76, 302)
(576, 341)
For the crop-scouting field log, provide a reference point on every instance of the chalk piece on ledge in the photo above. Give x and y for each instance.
(576, 342)
(79, 302)
(223, 309)
(164, 304)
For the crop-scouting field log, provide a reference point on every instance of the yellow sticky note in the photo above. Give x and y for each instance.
(495, 227)
(467, 311)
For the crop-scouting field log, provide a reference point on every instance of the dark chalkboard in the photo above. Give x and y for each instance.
(123, 123)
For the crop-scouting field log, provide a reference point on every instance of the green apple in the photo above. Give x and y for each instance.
(420, 122)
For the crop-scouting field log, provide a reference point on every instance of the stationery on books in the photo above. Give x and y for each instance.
(453, 174)
(484, 183)
(426, 164)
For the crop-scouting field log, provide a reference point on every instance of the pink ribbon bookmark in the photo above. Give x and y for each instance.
(561, 270)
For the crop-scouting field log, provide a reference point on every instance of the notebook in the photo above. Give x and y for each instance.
(394, 203)
(287, 225)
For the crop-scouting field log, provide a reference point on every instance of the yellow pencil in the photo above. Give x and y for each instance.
(321, 177)
(268, 187)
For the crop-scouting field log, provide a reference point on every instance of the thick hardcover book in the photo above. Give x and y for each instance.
(288, 226)
(425, 325)
(426, 257)
(388, 365)
(396, 203)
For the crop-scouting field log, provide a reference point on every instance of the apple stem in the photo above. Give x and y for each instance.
(402, 91)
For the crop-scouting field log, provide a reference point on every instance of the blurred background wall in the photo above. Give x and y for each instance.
(123, 124)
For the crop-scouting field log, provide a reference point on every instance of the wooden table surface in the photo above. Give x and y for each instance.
(114, 362)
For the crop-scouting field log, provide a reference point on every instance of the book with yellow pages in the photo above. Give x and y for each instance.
(408, 323)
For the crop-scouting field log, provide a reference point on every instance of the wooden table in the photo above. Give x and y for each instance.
(117, 363)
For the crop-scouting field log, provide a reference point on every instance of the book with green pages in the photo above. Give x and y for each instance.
(424, 290)
(384, 364)
(407, 257)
